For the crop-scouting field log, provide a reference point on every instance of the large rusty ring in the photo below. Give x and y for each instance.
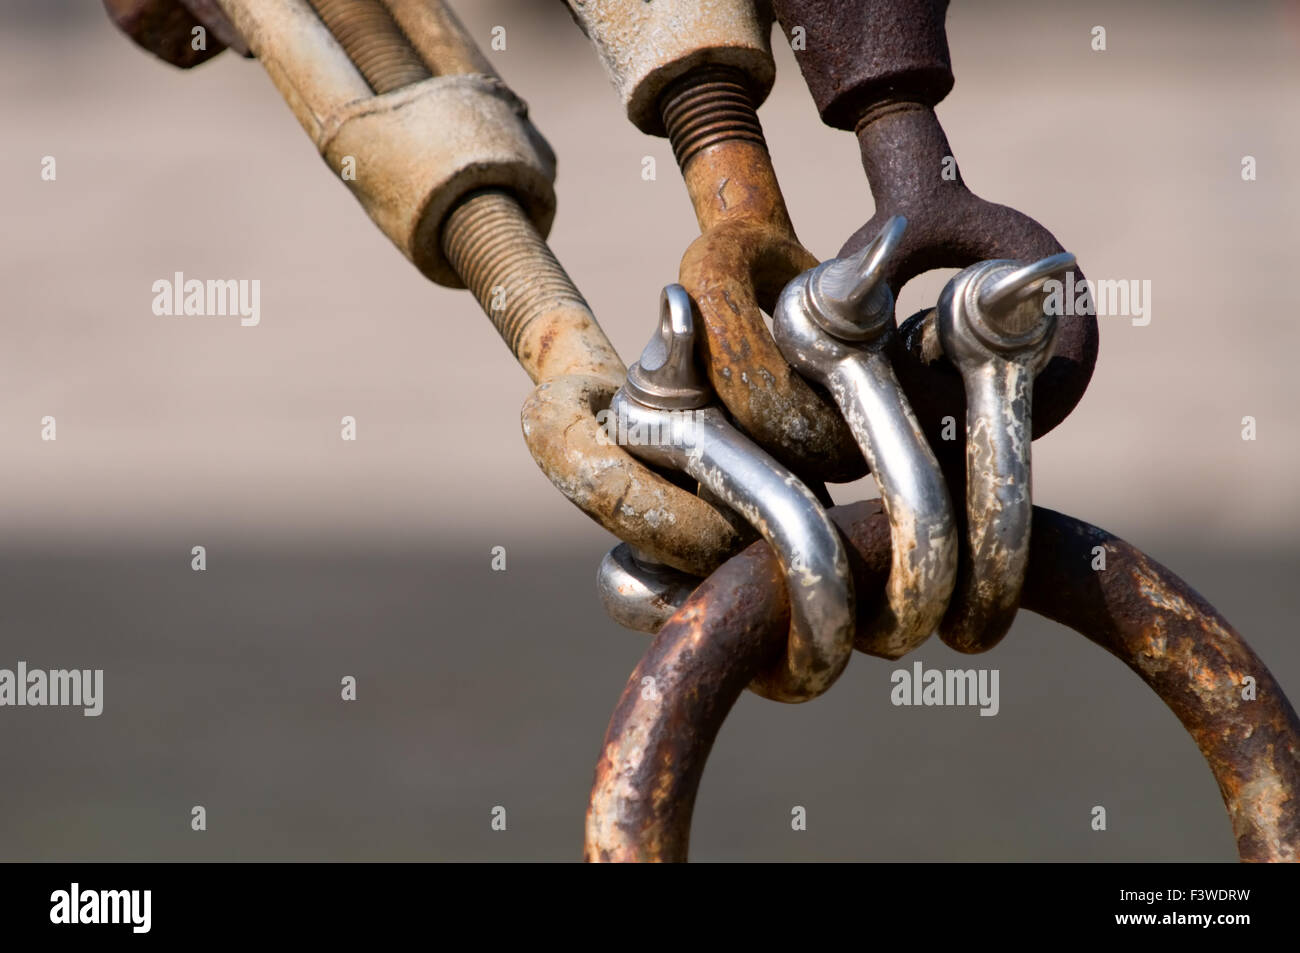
(654, 751)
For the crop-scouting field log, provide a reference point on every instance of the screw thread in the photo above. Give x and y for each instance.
(494, 247)
(709, 105)
(374, 42)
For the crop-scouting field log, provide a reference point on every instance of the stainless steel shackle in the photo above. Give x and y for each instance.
(833, 324)
(639, 592)
(664, 415)
(994, 327)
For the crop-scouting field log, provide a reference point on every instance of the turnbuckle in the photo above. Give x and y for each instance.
(442, 155)
(666, 412)
(834, 324)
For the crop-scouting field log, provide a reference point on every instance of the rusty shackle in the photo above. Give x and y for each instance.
(696, 72)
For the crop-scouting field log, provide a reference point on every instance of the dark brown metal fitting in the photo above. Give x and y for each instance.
(855, 53)
(735, 624)
(746, 253)
(912, 172)
(879, 67)
(185, 33)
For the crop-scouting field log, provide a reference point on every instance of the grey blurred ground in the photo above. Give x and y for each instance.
(479, 689)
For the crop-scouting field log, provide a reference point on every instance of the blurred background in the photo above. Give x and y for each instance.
(372, 559)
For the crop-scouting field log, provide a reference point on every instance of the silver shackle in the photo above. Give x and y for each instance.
(663, 414)
(638, 592)
(994, 328)
(833, 324)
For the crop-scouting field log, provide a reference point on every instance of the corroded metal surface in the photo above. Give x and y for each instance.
(167, 29)
(411, 152)
(472, 204)
(1189, 655)
(645, 46)
(663, 728)
(633, 502)
(654, 751)
(904, 151)
(534, 305)
(673, 706)
(437, 34)
(446, 163)
(746, 253)
(854, 53)
(374, 42)
(551, 331)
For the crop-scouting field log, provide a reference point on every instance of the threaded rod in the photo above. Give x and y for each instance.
(709, 105)
(497, 252)
(374, 42)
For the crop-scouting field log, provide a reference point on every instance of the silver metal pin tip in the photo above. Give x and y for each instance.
(1019, 283)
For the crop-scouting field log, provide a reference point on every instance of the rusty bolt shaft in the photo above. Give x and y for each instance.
(505, 263)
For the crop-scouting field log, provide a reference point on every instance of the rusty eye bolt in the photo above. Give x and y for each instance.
(878, 68)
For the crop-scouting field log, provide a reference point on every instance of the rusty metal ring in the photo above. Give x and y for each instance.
(655, 748)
